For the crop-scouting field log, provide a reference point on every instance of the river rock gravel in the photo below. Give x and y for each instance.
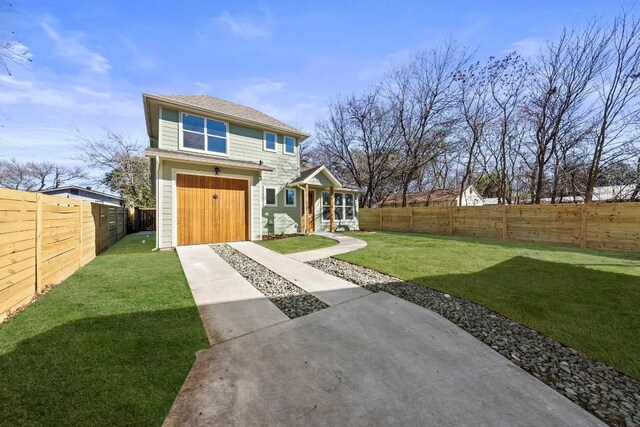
(290, 299)
(605, 392)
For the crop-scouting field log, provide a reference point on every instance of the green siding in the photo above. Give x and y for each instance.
(246, 143)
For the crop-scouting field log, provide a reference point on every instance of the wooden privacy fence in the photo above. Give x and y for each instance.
(44, 239)
(600, 225)
(141, 219)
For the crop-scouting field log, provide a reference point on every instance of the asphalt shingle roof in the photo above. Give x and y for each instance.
(228, 108)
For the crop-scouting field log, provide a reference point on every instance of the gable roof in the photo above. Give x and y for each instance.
(307, 174)
(227, 109)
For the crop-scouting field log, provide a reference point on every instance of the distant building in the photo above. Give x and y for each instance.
(442, 197)
(604, 194)
(85, 193)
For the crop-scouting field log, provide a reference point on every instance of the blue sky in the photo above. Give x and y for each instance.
(92, 59)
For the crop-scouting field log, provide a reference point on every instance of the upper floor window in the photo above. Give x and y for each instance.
(203, 134)
(289, 145)
(269, 141)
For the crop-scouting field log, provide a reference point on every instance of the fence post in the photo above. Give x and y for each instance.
(583, 225)
(411, 219)
(450, 220)
(504, 222)
(80, 239)
(38, 242)
(380, 219)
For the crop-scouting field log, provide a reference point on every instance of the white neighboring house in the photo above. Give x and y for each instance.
(84, 193)
(615, 193)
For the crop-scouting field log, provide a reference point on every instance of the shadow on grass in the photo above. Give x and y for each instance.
(611, 253)
(590, 310)
(110, 370)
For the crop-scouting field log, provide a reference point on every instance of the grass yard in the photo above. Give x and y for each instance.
(111, 345)
(586, 299)
(291, 245)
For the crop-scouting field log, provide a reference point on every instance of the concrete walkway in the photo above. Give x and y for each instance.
(330, 289)
(374, 361)
(229, 305)
(346, 244)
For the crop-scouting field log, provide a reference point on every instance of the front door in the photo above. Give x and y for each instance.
(311, 217)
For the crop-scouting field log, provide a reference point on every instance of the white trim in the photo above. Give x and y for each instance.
(158, 202)
(159, 126)
(270, 187)
(174, 208)
(284, 145)
(295, 197)
(195, 150)
(264, 141)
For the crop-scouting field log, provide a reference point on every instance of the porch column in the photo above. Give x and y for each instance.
(332, 210)
(306, 209)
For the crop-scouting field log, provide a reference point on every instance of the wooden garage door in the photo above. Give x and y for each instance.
(212, 209)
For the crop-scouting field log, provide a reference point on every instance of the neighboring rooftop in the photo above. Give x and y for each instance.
(227, 108)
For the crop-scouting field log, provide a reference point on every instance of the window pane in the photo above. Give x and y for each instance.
(290, 198)
(192, 123)
(271, 196)
(338, 213)
(216, 128)
(348, 199)
(348, 213)
(270, 141)
(217, 145)
(193, 140)
(289, 145)
(339, 200)
(325, 198)
(325, 213)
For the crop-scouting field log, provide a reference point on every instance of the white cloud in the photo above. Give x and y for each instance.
(70, 45)
(245, 26)
(526, 47)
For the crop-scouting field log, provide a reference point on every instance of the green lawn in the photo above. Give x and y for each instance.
(586, 299)
(111, 345)
(290, 245)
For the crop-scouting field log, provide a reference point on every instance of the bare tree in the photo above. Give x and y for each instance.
(37, 176)
(126, 171)
(422, 99)
(564, 77)
(476, 114)
(618, 96)
(13, 52)
(358, 141)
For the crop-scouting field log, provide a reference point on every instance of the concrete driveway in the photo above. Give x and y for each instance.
(373, 360)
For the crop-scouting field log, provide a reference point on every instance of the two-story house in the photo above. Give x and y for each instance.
(225, 172)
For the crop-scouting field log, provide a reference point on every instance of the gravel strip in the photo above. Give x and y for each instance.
(608, 394)
(290, 299)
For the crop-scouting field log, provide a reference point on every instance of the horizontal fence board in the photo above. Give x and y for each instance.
(44, 239)
(598, 225)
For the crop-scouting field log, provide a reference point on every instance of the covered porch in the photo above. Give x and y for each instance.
(326, 206)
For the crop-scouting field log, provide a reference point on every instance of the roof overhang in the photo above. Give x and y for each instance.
(150, 101)
(326, 173)
(204, 159)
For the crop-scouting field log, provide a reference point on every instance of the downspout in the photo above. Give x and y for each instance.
(157, 204)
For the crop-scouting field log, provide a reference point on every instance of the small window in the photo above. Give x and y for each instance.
(269, 141)
(203, 134)
(326, 209)
(289, 145)
(290, 197)
(270, 197)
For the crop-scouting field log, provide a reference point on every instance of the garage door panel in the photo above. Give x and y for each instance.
(211, 209)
